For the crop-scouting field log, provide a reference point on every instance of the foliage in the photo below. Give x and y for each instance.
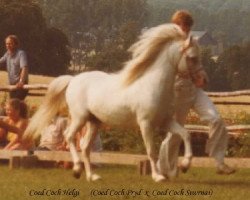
(227, 19)
(240, 147)
(231, 72)
(235, 63)
(129, 141)
(217, 79)
(46, 47)
(100, 31)
(111, 55)
(56, 54)
(240, 118)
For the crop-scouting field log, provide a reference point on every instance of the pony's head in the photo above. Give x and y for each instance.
(182, 53)
(146, 51)
(190, 61)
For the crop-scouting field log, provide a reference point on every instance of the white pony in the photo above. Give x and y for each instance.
(139, 95)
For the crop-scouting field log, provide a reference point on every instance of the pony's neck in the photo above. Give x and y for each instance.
(163, 77)
(161, 74)
(160, 77)
(165, 68)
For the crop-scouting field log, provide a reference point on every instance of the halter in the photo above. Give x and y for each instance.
(184, 75)
(190, 73)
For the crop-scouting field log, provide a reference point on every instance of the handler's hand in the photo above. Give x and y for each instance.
(19, 85)
(200, 79)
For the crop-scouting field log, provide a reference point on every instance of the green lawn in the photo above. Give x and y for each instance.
(121, 182)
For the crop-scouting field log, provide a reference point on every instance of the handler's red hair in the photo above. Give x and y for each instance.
(182, 17)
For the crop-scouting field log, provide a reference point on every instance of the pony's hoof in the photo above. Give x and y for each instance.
(94, 177)
(77, 175)
(77, 170)
(159, 178)
(185, 165)
(184, 169)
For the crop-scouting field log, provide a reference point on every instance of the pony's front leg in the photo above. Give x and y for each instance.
(147, 135)
(85, 145)
(69, 136)
(176, 128)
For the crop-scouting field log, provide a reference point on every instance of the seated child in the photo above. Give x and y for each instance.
(52, 137)
(13, 125)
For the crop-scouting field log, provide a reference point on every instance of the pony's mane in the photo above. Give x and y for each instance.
(145, 51)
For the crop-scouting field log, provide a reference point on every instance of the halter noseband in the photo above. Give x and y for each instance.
(189, 74)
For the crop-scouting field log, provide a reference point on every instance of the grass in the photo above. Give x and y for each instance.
(17, 184)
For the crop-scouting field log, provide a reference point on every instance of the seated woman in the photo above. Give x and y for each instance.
(52, 136)
(13, 125)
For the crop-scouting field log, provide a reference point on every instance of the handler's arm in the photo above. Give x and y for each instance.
(200, 79)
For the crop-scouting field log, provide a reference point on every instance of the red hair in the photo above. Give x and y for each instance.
(182, 17)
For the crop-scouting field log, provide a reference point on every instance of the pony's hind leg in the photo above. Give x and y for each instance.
(75, 125)
(147, 135)
(85, 145)
(176, 128)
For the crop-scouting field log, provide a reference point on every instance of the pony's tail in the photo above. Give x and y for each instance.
(54, 100)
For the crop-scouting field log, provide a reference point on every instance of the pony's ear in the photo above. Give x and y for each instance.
(187, 43)
(190, 40)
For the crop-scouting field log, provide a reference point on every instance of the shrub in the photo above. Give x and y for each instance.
(239, 146)
(126, 141)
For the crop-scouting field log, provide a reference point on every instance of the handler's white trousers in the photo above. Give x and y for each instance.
(198, 100)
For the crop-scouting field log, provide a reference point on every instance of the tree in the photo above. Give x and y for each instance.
(217, 73)
(227, 16)
(95, 28)
(24, 19)
(235, 62)
(57, 50)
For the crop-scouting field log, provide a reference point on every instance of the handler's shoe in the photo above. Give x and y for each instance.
(225, 169)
